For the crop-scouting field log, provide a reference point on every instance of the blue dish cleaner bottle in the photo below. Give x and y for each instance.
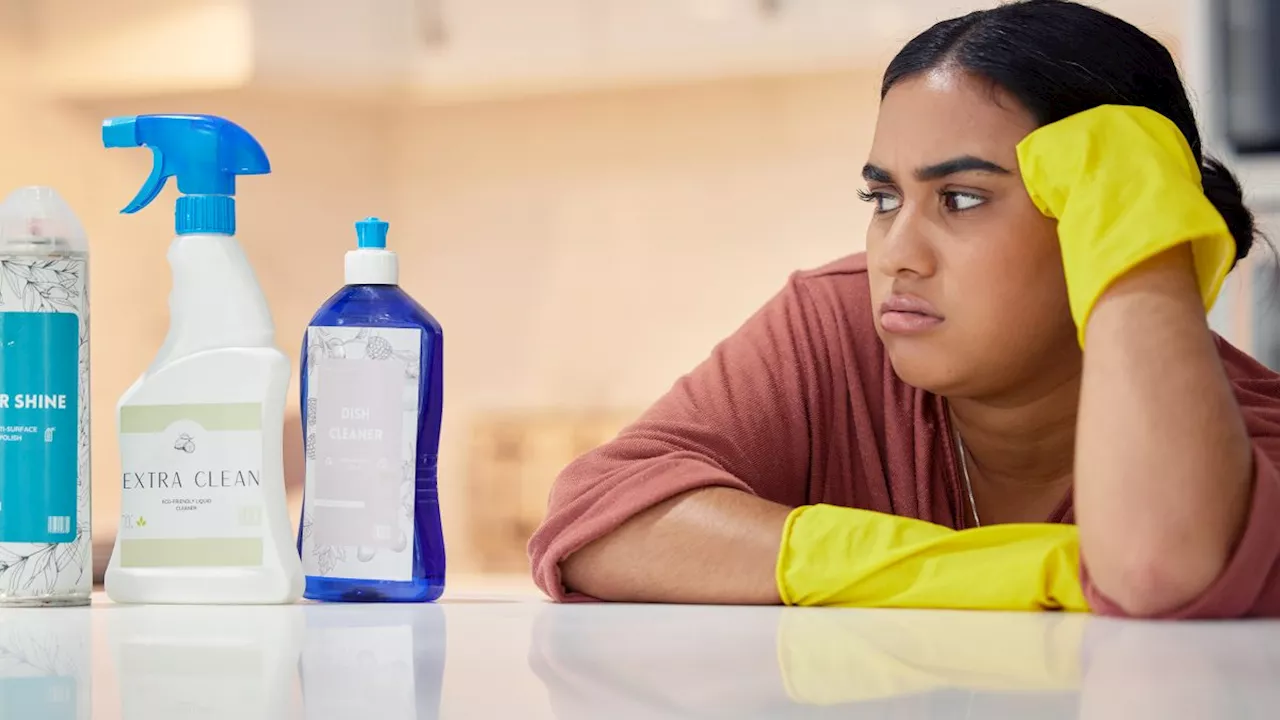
(372, 385)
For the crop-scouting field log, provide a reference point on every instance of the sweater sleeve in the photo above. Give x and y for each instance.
(1249, 585)
(739, 420)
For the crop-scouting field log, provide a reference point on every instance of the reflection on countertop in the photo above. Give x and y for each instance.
(509, 654)
(808, 663)
(817, 663)
(45, 664)
(204, 661)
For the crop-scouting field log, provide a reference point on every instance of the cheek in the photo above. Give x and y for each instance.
(875, 237)
(1013, 281)
(880, 282)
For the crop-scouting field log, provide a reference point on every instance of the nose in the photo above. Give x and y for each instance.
(905, 248)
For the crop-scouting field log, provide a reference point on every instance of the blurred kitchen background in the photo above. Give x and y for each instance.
(587, 193)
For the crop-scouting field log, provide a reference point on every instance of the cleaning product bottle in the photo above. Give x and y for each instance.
(44, 402)
(371, 400)
(203, 511)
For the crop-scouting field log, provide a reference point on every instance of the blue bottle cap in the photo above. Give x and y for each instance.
(372, 233)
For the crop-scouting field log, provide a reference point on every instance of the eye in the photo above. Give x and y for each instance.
(961, 201)
(884, 201)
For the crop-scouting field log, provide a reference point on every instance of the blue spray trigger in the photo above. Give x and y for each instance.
(204, 152)
(154, 184)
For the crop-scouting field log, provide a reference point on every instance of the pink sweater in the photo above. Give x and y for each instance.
(802, 406)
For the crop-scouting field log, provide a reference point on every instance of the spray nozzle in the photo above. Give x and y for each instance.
(39, 217)
(205, 153)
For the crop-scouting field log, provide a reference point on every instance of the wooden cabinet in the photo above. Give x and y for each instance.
(139, 48)
(683, 39)
(456, 50)
(437, 50)
(496, 48)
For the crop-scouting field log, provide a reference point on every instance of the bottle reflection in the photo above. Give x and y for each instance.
(383, 661)
(175, 661)
(45, 664)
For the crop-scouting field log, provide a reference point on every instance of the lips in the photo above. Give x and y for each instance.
(903, 314)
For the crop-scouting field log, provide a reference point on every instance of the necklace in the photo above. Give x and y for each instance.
(968, 484)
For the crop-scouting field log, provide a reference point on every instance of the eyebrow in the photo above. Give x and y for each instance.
(937, 171)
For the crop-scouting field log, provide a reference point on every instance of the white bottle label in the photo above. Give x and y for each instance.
(191, 491)
(44, 428)
(362, 439)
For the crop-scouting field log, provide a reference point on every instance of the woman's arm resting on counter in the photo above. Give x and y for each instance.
(687, 504)
(711, 545)
(1164, 462)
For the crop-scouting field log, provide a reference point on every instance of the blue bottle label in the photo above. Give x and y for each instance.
(39, 431)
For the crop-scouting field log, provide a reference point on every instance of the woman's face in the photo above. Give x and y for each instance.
(966, 277)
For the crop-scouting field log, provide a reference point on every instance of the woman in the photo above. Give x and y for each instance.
(1039, 188)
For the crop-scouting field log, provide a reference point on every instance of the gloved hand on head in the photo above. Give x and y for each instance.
(1124, 186)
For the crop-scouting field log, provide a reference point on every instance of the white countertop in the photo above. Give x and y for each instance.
(504, 653)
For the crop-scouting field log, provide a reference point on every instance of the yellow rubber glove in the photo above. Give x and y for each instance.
(843, 556)
(1124, 186)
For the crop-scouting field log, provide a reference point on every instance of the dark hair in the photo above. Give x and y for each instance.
(1059, 58)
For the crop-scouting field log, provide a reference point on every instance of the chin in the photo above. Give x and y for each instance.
(924, 368)
(927, 379)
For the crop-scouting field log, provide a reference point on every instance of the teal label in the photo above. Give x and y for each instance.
(39, 435)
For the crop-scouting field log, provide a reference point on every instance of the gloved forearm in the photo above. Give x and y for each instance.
(844, 556)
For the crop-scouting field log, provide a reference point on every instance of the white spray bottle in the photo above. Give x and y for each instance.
(204, 517)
